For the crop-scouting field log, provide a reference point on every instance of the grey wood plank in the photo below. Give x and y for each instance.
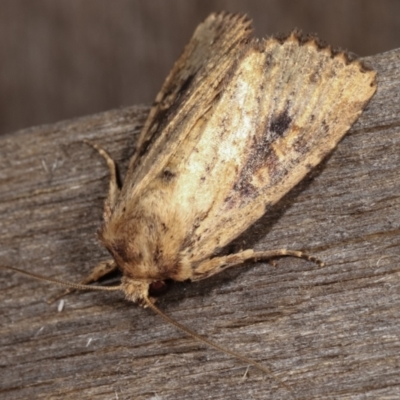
(331, 332)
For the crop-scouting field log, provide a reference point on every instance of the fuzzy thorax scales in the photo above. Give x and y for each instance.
(146, 244)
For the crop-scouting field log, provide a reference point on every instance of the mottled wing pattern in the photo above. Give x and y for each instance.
(216, 46)
(287, 106)
(242, 136)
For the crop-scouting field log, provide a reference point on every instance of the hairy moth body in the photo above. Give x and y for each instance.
(237, 124)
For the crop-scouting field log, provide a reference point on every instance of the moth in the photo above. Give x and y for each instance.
(237, 124)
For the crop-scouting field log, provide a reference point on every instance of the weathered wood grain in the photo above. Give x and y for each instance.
(330, 332)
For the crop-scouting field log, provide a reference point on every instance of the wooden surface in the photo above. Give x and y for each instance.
(330, 332)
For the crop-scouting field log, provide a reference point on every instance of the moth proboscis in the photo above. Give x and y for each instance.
(237, 124)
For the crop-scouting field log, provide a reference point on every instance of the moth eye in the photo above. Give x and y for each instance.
(159, 288)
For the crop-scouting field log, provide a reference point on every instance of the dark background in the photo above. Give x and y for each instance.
(66, 58)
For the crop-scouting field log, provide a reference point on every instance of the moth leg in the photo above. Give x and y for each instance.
(217, 264)
(98, 272)
(114, 189)
(272, 263)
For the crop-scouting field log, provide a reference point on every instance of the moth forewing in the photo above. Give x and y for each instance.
(216, 46)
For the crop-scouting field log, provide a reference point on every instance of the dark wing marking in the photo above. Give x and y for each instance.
(300, 101)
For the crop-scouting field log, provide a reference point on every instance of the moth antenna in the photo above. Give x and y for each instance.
(216, 346)
(68, 284)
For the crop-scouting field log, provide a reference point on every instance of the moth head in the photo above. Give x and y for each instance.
(138, 256)
(141, 291)
(135, 290)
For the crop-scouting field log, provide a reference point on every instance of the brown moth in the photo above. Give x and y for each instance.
(237, 124)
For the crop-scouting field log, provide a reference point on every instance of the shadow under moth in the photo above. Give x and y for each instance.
(238, 123)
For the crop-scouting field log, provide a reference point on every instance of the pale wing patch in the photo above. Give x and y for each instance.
(214, 50)
(291, 103)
